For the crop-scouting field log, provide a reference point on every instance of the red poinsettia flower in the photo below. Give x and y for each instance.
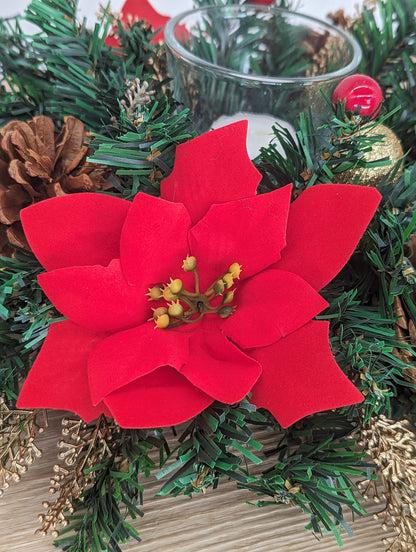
(245, 320)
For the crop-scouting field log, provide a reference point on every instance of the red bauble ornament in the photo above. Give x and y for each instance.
(359, 91)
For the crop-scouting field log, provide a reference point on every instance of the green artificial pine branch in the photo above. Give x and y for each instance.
(25, 315)
(400, 85)
(213, 445)
(314, 463)
(384, 33)
(387, 37)
(319, 152)
(142, 151)
(87, 76)
(283, 57)
(67, 69)
(112, 460)
(365, 342)
(24, 85)
(91, 81)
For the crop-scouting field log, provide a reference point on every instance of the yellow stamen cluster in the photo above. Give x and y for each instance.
(187, 307)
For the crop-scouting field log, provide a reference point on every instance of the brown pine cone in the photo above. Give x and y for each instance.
(37, 163)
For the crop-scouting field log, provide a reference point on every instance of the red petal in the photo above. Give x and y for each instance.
(300, 376)
(212, 168)
(219, 368)
(249, 231)
(325, 225)
(59, 376)
(96, 297)
(154, 240)
(125, 356)
(159, 399)
(77, 229)
(269, 306)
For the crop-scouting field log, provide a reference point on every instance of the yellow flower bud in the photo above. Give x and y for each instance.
(159, 312)
(176, 310)
(225, 311)
(162, 322)
(168, 295)
(228, 297)
(218, 287)
(228, 280)
(235, 270)
(189, 264)
(155, 293)
(175, 286)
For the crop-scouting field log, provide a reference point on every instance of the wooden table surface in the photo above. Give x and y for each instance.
(218, 521)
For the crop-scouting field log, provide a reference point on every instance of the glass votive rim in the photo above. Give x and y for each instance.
(178, 50)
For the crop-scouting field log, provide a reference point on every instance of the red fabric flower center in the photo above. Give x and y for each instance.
(187, 307)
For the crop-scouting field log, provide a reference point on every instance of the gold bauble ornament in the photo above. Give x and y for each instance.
(389, 147)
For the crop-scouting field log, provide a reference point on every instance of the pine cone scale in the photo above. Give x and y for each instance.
(38, 166)
(5, 179)
(16, 235)
(44, 128)
(17, 171)
(71, 144)
(79, 183)
(11, 202)
(4, 241)
(22, 140)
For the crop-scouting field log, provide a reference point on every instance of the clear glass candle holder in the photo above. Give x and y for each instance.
(257, 62)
